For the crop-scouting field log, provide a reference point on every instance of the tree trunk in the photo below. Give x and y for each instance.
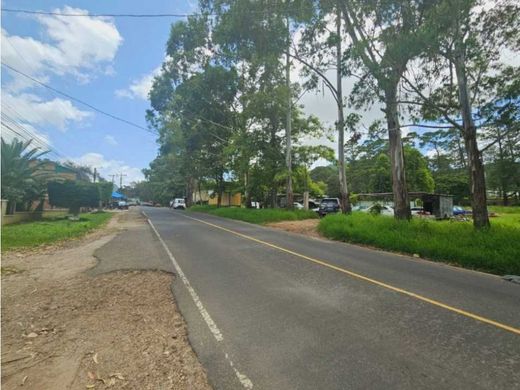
(343, 189)
(189, 192)
(401, 201)
(247, 193)
(475, 165)
(220, 186)
(288, 130)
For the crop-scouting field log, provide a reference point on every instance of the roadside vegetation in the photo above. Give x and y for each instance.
(495, 250)
(50, 230)
(258, 216)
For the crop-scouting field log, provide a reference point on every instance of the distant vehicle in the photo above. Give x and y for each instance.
(313, 206)
(298, 206)
(458, 210)
(329, 206)
(379, 209)
(122, 205)
(417, 211)
(178, 203)
(132, 202)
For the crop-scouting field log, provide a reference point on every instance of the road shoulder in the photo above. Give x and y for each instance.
(72, 320)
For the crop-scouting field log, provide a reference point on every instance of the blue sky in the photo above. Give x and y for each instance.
(107, 62)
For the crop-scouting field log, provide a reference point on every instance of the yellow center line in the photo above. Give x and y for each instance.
(369, 280)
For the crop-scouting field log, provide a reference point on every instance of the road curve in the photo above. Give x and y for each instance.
(299, 313)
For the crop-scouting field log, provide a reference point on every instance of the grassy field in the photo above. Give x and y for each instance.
(496, 251)
(258, 216)
(47, 231)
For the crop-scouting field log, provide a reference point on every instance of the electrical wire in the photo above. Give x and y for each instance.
(28, 135)
(79, 100)
(33, 12)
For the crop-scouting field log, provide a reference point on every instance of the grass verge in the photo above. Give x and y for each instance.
(496, 250)
(258, 216)
(50, 230)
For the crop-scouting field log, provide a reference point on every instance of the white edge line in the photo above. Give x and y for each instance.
(243, 379)
(203, 312)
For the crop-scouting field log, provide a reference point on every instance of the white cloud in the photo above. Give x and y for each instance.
(139, 88)
(111, 140)
(32, 109)
(79, 46)
(110, 167)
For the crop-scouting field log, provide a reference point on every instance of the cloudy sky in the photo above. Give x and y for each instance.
(107, 62)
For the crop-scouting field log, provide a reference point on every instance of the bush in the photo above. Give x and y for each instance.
(73, 195)
(495, 250)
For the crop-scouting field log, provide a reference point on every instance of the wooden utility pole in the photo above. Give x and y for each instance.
(288, 130)
(121, 180)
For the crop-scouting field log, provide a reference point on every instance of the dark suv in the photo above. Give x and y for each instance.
(328, 206)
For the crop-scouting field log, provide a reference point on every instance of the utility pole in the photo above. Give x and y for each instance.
(121, 180)
(113, 176)
(288, 130)
(95, 174)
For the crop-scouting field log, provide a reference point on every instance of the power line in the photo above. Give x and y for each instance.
(164, 15)
(19, 123)
(78, 100)
(28, 135)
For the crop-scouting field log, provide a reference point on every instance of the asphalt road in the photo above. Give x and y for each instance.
(273, 310)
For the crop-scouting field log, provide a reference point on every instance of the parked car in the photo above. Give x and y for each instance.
(122, 205)
(379, 209)
(457, 210)
(313, 206)
(297, 206)
(417, 211)
(178, 203)
(329, 206)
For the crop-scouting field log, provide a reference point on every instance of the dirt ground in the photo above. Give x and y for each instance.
(307, 227)
(64, 328)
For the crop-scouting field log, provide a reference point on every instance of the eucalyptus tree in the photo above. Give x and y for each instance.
(321, 49)
(385, 36)
(259, 33)
(463, 46)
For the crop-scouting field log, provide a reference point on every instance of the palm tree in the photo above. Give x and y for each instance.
(21, 179)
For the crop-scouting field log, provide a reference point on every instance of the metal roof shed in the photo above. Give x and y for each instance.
(438, 205)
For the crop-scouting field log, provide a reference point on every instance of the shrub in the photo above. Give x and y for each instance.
(495, 250)
(73, 195)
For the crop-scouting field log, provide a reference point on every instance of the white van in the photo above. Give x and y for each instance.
(179, 203)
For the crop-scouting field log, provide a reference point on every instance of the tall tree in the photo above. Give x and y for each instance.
(320, 49)
(463, 43)
(384, 35)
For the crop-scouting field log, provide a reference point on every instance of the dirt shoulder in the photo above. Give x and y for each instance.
(74, 321)
(307, 227)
